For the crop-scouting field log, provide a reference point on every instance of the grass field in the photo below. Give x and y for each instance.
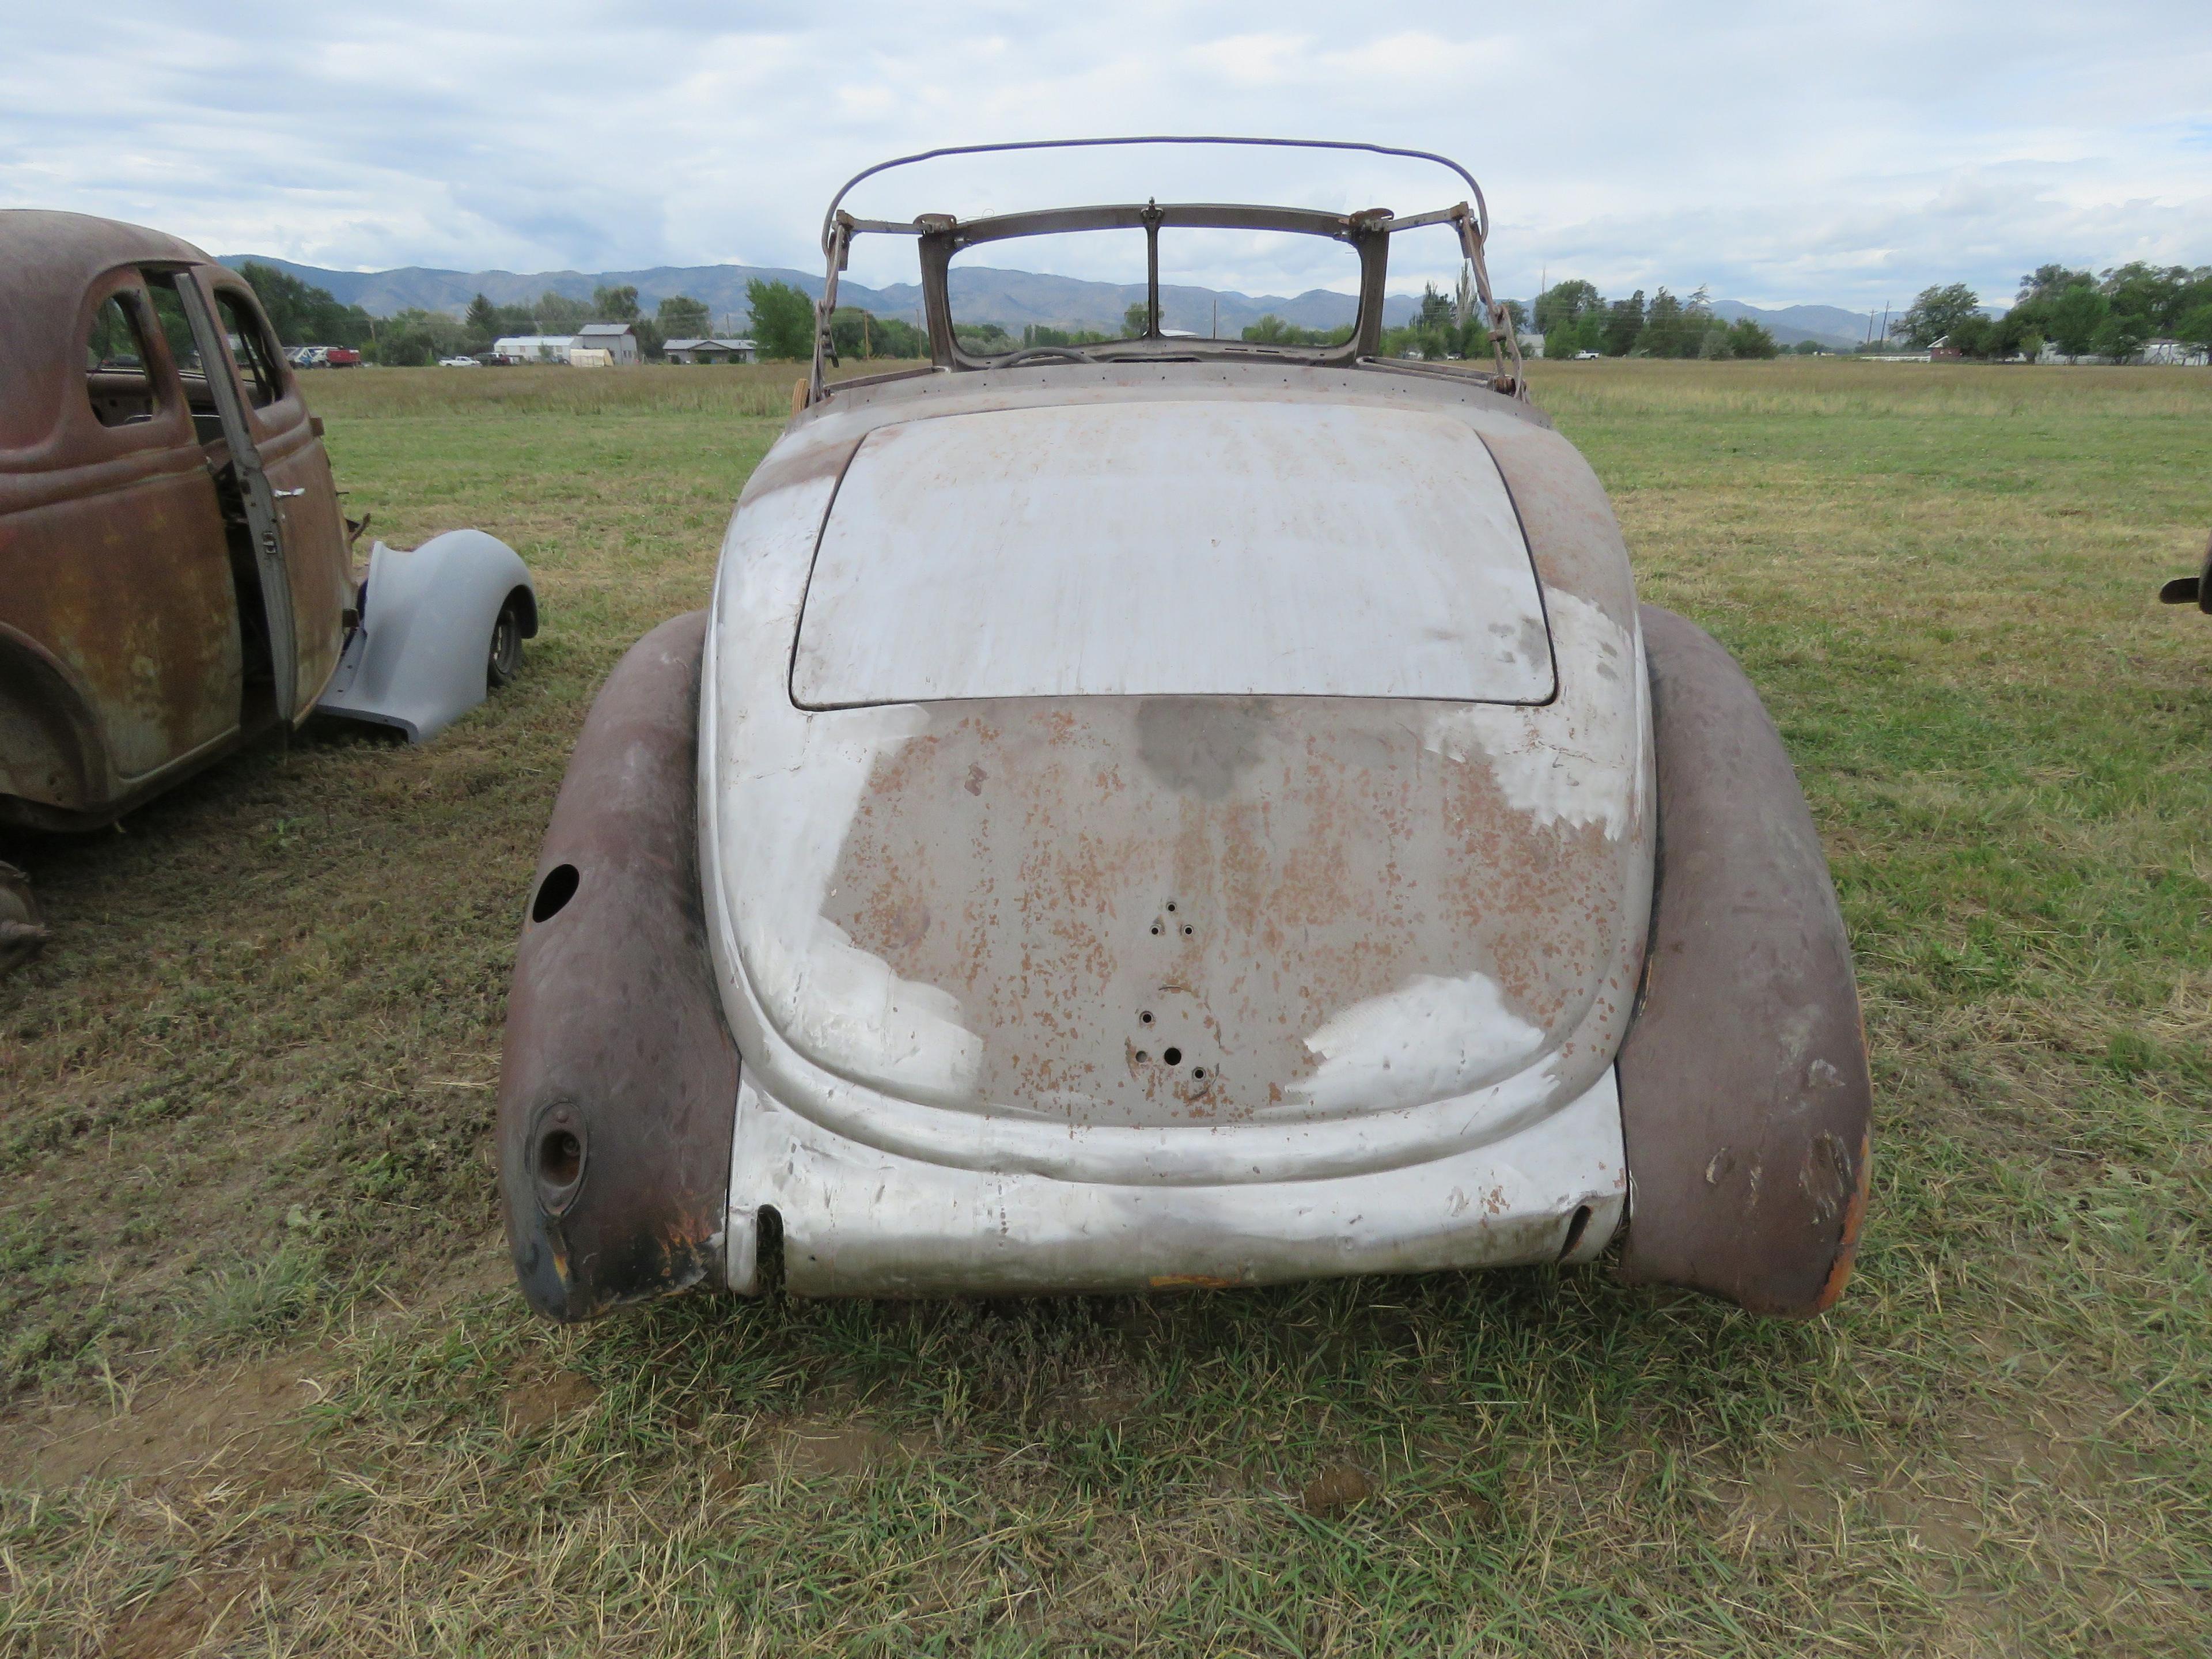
(269, 1389)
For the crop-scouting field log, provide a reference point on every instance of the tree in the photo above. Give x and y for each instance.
(682, 317)
(614, 305)
(1136, 320)
(2047, 282)
(1748, 338)
(301, 314)
(2121, 336)
(1937, 311)
(483, 321)
(2074, 318)
(1806, 349)
(1564, 304)
(413, 338)
(1976, 336)
(2196, 326)
(1664, 327)
(783, 319)
(557, 313)
(1624, 322)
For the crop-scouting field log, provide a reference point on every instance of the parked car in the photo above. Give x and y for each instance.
(176, 577)
(1175, 812)
(458, 363)
(340, 357)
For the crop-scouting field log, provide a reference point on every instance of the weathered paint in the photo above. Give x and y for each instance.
(1375, 934)
(121, 648)
(1304, 548)
(618, 1080)
(1745, 1091)
(855, 1219)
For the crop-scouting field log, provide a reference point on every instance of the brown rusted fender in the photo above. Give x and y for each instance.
(618, 1083)
(1744, 1091)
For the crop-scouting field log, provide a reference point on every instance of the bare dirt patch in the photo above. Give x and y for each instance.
(531, 1408)
(238, 1424)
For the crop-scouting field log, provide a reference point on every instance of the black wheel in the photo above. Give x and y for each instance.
(22, 929)
(506, 658)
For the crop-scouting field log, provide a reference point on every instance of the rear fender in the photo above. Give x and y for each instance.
(1745, 1097)
(418, 661)
(618, 1082)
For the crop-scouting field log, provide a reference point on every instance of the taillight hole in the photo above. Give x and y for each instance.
(1173, 1056)
(554, 892)
(560, 1159)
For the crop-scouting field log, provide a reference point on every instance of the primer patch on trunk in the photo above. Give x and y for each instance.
(1574, 760)
(1429, 1039)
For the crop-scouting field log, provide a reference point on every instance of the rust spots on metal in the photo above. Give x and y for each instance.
(129, 597)
(1317, 854)
(618, 1080)
(1746, 1098)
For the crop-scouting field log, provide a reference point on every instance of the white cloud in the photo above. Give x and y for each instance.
(1776, 152)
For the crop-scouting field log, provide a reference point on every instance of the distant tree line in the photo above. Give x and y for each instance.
(2079, 313)
(782, 323)
(1573, 318)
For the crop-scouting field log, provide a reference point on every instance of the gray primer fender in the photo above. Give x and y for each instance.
(615, 1036)
(417, 660)
(1745, 1097)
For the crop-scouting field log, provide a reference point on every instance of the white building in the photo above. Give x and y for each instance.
(708, 351)
(533, 348)
(618, 340)
(2178, 353)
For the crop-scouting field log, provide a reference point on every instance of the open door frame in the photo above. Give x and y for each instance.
(261, 516)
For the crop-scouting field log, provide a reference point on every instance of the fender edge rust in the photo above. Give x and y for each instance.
(1745, 1094)
(618, 1079)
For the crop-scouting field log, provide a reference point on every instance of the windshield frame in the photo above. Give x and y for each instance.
(941, 236)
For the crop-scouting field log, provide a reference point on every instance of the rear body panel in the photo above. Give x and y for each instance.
(1141, 960)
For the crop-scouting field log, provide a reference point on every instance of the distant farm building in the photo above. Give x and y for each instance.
(2178, 353)
(618, 340)
(533, 348)
(1943, 351)
(590, 357)
(710, 351)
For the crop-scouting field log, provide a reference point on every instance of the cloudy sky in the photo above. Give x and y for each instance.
(1776, 152)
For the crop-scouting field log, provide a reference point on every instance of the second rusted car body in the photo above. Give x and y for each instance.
(176, 574)
(1165, 814)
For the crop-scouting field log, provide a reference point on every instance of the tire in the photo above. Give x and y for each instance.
(22, 929)
(504, 660)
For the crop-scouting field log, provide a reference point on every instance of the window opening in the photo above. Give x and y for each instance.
(118, 379)
(250, 351)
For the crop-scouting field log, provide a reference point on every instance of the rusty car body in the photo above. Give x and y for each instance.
(1169, 813)
(176, 574)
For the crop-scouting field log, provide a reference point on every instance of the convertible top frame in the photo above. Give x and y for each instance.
(1369, 232)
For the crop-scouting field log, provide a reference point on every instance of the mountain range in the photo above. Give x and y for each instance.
(981, 293)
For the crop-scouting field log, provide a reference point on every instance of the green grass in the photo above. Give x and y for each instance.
(270, 1393)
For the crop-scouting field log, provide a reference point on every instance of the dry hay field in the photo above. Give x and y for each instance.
(268, 1390)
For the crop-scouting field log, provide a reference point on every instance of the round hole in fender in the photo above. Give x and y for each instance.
(554, 892)
(1173, 1056)
(560, 1160)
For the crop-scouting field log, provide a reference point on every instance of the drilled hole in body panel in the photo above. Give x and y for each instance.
(554, 892)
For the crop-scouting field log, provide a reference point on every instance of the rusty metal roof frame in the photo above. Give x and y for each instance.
(942, 235)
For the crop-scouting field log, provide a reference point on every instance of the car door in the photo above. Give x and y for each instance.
(284, 479)
(115, 566)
